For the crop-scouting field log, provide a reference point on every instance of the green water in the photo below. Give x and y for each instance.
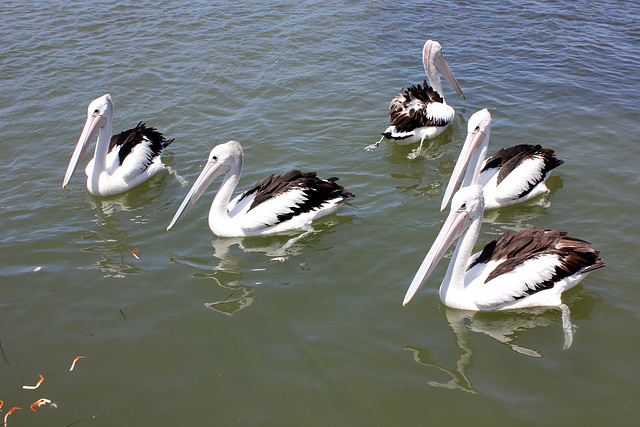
(206, 331)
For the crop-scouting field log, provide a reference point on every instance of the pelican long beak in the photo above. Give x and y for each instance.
(93, 124)
(443, 68)
(457, 222)
(210, 172)
(471, 145)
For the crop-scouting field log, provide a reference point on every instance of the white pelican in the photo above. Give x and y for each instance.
(512, 175)
(120, 162)
(278, 203)
(420, 112)
(526, 269)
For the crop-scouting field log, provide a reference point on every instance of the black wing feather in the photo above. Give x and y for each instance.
(508, 159)
(403, 113)
(316, 190)
(516, 248)
(128, 139)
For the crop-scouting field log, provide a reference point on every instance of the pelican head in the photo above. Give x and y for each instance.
(478, 131)
(435, 63)
(222, 159)
(99, 113)
(467, 206)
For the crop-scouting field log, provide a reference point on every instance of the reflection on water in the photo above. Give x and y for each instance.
(459, 378)
(227, 269)
(138, 198)
(273, 246)
(503, 326)
(113, 262)
(111, 245)
(240, 297)
(517, 216)
(226, 275)
(112, 216)
(437, 148)
(436, 159)
(506, 327)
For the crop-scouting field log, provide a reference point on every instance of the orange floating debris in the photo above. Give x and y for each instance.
(33, 387)
(133, 252)
(39, 402)
(15, 408)
(74, 362)
(1, 404)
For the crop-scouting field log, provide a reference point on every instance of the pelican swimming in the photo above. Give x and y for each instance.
(279, 203)
(512, 175)
(120, 162)
(529, 268)
(420, 111)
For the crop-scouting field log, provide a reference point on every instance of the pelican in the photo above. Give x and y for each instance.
(279, 203)
(530, 268)
(420, 111)
(120, 162)
(512, 175)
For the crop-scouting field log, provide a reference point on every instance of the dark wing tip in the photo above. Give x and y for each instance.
(599, 264)
(167, 142)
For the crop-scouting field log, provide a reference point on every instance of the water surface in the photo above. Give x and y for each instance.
(200, 330)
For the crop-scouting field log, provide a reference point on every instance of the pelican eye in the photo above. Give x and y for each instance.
(214, 158)
(96, 112)
(477, 129)
(463, 207)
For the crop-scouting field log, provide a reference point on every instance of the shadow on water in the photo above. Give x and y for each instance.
(505, 327)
